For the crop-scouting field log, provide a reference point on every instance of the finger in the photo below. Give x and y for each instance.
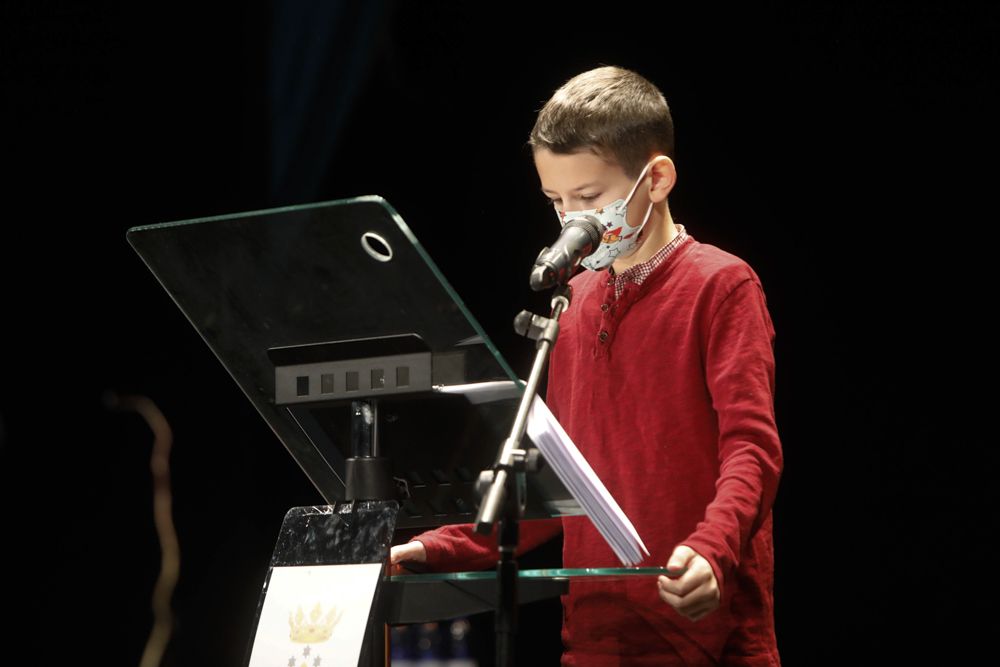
(671, 599)
(400, 553)
(686, 601)
(690, 609)
(687, 608)
(680, 558)
(684, 590)
(685, 584)
(670, 585)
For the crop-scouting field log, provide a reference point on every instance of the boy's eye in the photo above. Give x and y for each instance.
(558, 202)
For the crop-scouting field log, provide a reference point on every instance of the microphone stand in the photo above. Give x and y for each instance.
(505, 499)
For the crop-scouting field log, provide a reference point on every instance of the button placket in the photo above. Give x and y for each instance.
(606, 327)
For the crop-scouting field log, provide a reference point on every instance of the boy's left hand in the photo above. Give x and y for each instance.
(695, 593)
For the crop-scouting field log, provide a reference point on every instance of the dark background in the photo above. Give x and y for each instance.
(847, 152)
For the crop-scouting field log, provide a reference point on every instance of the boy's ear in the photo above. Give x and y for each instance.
(664, 175)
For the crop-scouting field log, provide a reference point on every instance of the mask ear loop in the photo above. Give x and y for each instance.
(635, 187)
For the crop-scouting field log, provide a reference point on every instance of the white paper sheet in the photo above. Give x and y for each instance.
(580, 480)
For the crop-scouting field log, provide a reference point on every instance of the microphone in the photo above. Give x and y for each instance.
(556, 265)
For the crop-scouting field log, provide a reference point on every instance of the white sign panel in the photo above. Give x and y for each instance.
(315, 616)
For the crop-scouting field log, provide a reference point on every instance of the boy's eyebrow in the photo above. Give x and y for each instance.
(576, 189)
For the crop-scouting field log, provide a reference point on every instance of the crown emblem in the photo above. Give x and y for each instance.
(317, 629)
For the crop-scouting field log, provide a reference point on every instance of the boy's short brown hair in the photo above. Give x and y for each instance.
(610, 111)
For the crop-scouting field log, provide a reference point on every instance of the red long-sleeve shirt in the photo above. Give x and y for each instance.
(668, 393)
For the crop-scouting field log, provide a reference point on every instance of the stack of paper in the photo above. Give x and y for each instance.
(581, 481)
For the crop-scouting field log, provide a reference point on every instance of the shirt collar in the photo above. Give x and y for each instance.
(639, 272)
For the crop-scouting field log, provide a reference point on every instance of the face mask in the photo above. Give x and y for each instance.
(619, 238)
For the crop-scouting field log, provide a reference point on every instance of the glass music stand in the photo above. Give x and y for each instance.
(314, 308)
(363, 360)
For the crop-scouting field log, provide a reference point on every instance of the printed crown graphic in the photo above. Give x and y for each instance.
(317, 629)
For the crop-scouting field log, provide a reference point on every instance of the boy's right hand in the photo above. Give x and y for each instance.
(412, 552)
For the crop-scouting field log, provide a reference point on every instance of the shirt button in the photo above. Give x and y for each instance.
(603, 336)
(605, 307)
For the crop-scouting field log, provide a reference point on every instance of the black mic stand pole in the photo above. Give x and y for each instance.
(504, 501)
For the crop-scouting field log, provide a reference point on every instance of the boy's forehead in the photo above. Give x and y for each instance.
(571, 171)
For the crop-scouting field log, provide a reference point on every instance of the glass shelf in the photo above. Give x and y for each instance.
(590, 573)
(418, 598)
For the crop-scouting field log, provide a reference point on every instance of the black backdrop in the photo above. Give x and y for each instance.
(847, 152)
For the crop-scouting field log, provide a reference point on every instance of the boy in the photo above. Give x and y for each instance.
(663, 375)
